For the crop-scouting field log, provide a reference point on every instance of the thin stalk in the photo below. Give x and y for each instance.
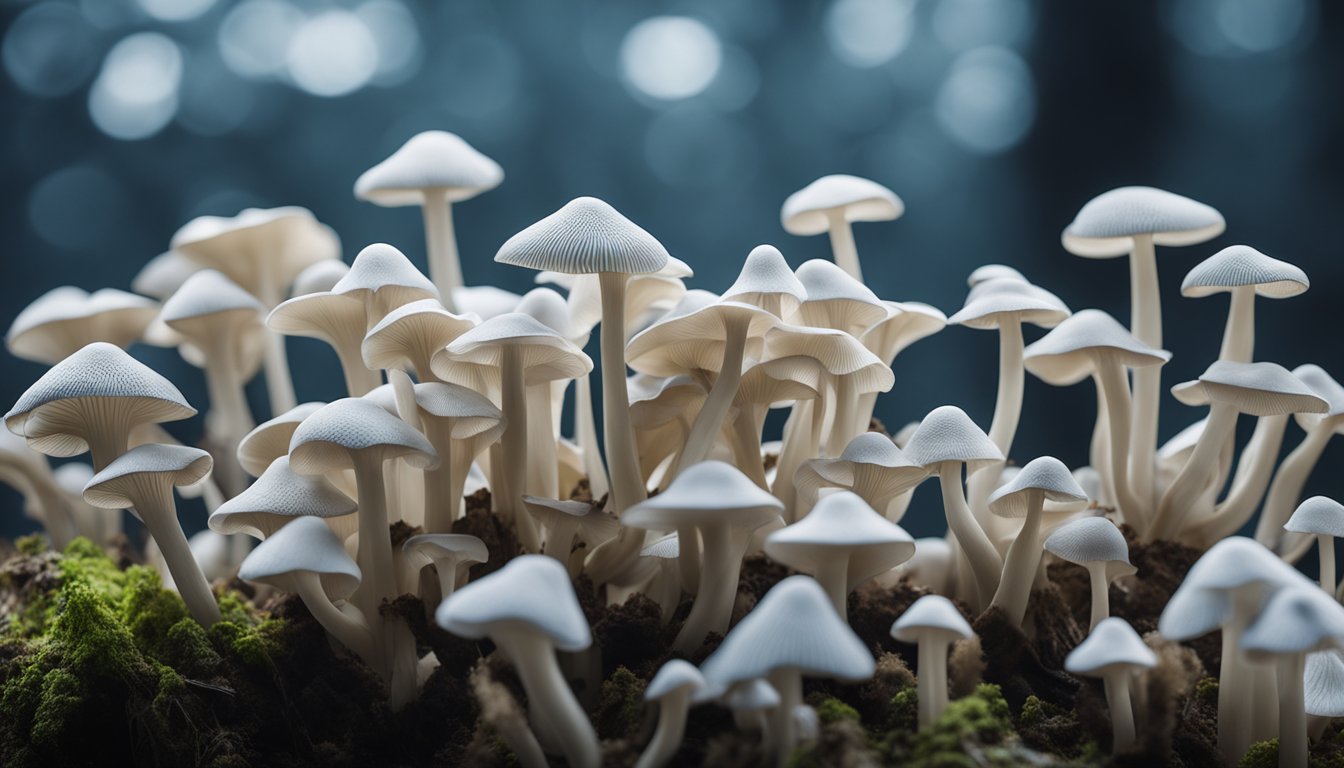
(1286, 489)
(713, 607)
(842, 245)
(976, 548)
(788, 683)
(542, 469)
(512, 474)
(1239, 333)
(1019, 569)
(841, 431)
(445, 270)
(549, 698)
(833, 576)
(720, 399)
(160, 516)
(1254, 470)
(1145, 322)
(1325, 544)
(747, 446)
(1292, 711)
(585, 431)
(671, 728)
(931, 680)
(1189, 484)
(441, 501)
(1007, 413)
(1101, 593)
(1122, 710)
(279, 384)
(350, 631)
(1114, 390)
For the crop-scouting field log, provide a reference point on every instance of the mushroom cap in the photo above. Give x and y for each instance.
(1237, 266)
(585, 236)
(118, 485)
(778, 383)
(838, 352)
(765, 281)
(1259, 389)
(675, 675)
(552, 311)
(319, 277)
(269, 440)
(62, 320)
(1091, 540)
(842, 525)
(384, 271)
(1066, 355)
(987, 272)
(931, 615)
(546, 355)
(655, 401)
(419, 328)
(665, 547)
(596, 524)
(836, 300)
(304, 544)
(808, 211)
(993, 302)
(870, 465)
(435, 160)
(793, 627)
(751, 696)
(472, 414)
(1181, 444)
(206, 293)
(948, 434)
(337, 319)
(1324, 683)
(1326, 388)
(531, 593)
(327, 440)
(1299, 618)
(1046, 475)
(905, 323)
(702, 327)
(1202, 603)
(1106, 226)
(279, 241)
(655, 352)
(1317, 514)
(278, 496)
(706, 493)
(484, 301)
(164, 274)
(1113, 646)
(97, 382)
(457, 548)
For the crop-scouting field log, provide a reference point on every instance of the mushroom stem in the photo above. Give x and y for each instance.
(585, 431)
(671, 728)
(1254, 470)
(788, 683)
(1007, 413)
(747, 446)
(842, 424)
(1235, 692)
(549, 697)
(560, 538)
(842, 245)
(688, 559)
(1292, 711)
(1115, 391)
(1145, 321)
(375, 545)
(1101, 594)
(1122, 710)
(713, 606)
(351, 632)
(1325, 544)
(229, 418)
(160, 516)
(1019, 568)
(931, 677)
(976, 548)
(710, 419)
(800, 442)
(1193, 477)
(56, 516)
(542, 469)
(511, 476)
(1286, 489)
(445, 270)
(441, 501)
(1239, 334)
(359, 380)
(1099, 452)
(279, 384)
(833, 575)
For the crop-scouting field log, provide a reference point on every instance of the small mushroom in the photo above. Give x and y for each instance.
(269, 440)
(1245, 273)
(408, 337)
(335, 319)
(278, 496)
(563, 521)
(987, 272)
(451, 554)
(836, 300)
(63, 320)
(460, 424)
(871, 466)
(750, 702)
(933, 623)
(905, 323)
(382, 279)
(673, 687)
(1324, 519)
(1097, 545)
(1114, 652)
(830, 204)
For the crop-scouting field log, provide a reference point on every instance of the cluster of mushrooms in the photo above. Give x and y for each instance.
(452, 389)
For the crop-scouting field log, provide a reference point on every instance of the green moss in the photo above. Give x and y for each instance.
(1033, 712)
(1206, 690)
(833, 709)
(1262, 754)
(31, 546)
(148, 610)
(84, 559)
(187, 649)
(59, 703)
(254, 645)
(904, 710)
(620, 709)
(981, 720)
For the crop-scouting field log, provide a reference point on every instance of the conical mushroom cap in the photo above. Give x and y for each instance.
(870, 465)
(258, 246)
(705, 493)
(385, 273)
(1241, 265)
(751, 696)
(278, 496)
(778, 383)
(583, 237)
(99, 383)
(675, 675)
(808, 211)
(1112, 646)
(1106, 226)
(1202, 602)
(546, 355)
(948, 434)
(432, 160)
(269, 440)
(1066, 354)
(1326, 388)
(412, 333)
(793, 627)
(994, 302)
(334, 318)
(842, 525)
(1259, 389)
(305, 544)
(1317, 515)
(1091, 540)
(1045, 474)
(327, 440)
(119, 484)
(836, 300)
(1297, 619)
(455, 548)
(63, 320)
(931, 614)
(207, 293)
(320, 277)
(987, 272)
(1324, 683)
(767, 281)
(905, 323)
(532, 594)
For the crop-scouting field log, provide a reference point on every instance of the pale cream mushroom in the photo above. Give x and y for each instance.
(1114, 652)
(1322, 519)
(63, 320)
(932, 623)
(1097, 545)
(831, 204)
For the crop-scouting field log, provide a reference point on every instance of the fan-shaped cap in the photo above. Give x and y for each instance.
(904, 324)
(597, 525)
(993, 302)
(412, 334)
(385, 274)
(870, 464)
(1202, 602)
(948, 434)
(1046, 475)
(1091, 540)
(583, 237)
(531, 593)
(1067, 354)
(327, 440)
(839, 353)
(1238, 266)
(319, 277)
(449, 549)
(116, 486)
(1324, 683)
(1299, 618)
(751, 696)
(1259, 389)
(472, 414)
(484, 301)
(1113, 646)
(931, 615)
(705, 493)
(1326, 388)
(63, 320)
(164, 274)
(778, 382)
(703, 329)
(432, 160)
(1106, 226)
(1317, 514)
(546, 355)
(808, 211)
(269, 440)
(793, 627)
(675, 675)
(842, 526)
(277, 497)
(987, 272)
(767, 282)
(303, 545)
(836, 300)
(279, 241)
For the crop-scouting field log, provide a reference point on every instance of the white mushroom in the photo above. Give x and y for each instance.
(932, 623)
(830, 204)
(673, 688)
(1114, 652)
(1324, 519)
(1097, 545)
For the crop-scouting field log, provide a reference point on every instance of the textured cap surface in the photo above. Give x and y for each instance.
(931, 614)
(116, 486)
(326, 440)
(1065, 355)
(278, 496)
(948, 434)
(1241, 265)
(531, 593)
(1112, 646)
(1090, 540)
(1046, 474)
(1106, 225)
(1317, 514)
(1259, 389)
(585, 236)
(805, 212)
(303, 544)
(842, 525)
(675, 675)
(429, 160)
(270, 440)
(707, 492)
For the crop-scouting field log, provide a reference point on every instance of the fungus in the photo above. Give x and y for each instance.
(673, 688)
(836, 300)
(1097, 545)
(750, 702)
(278, 496)
(871, 466)
(408, 337)
(451, 554)
(382, 279)
(905, 323)
(932, 623)
(987, 272)
(831, 204)
(28, 472)
(63, 320)
(162, 275)
(460, 424)
(1114, 652)
(1324, 519)
(561, 522)
(319, 277)
(269, 440)
(1245, 273)
(335, 319)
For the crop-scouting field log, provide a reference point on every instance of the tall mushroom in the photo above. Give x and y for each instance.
(831, 204)
(1097, 545)
(408, 337)
(905, 323)
(673, 688)
(1322, 519)
(335, 319)
(1245, 273)
(460, 424)
(1114, 652)
(932, 623)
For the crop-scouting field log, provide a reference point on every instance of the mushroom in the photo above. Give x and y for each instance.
(830, 204)
(750, 701)
(663, 586)
(932, 566)
(408, 337)
(335, 319)
(319, 277)
(303, 556)
(382, 279)
(661, 412)
(529, 610)
(1024, 496)
(842, 543)
(277, 497)
(460, 424)
(986, 272)
(269, 440)
(946, 440)
(905, 323)
(162, 275)
(63, 320)
(1097, 545)
(433, 170)
(544, 438)
(561, 522)
(142, 479)
(1324, 519)
(718, 503)
(871, 466)
(1323, 685)
(791, 633)
(932, 623)
(1245, 273)
(1114, 652)
(451, 554)
(836, 300)
(776, 383)
(29, 473)
(673, 688)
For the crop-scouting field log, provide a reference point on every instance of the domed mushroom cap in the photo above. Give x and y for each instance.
(531, 593)
(989, 272)
(767, 281)
(751, 696)
(1317, 515)
(117, 485)
(432, 160)
(1326, 388)
(793, 627)
(278, 496)
(838, 352)
(460, 548)
(550, 309)
(1297, 619)
(705, 493)
(836, 300)
(948, 434)
(1091, 540)
(100, 380)
(1066, 354)
(279, 241)
(1202, 603)
(808, 211)
(1324, 683)
(164, 274)
(1113, 646)
(206, 293)
(484, 301)
(1046, 475)
(418, 328)
(904, 324)
(1259, 389)
(1106, 226)
(62, 320)
(842, 525)
(1238, 266)
(326, 440)
(269, 440)
(472, 413)
(320, 277)
(547, 355)
(585, 236)
(675, 675)
(871, 449)
(382, 270)
(305, 544)
(931, 615)
(994, 301)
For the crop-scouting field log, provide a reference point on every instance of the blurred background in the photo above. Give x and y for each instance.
(995, 120)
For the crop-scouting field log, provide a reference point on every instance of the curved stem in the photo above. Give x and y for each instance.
(279, 384)
(842, 245)
(841, 431)
(713, 607)
(788, 683)
(1286, 489)
(1239, 333)
(1019, 569)
(1122, 710)
(671, 728)
(931, 678)
(1145, 322)
(549, 697)
(747, 446)
(710, 419)
(1189, 484)
(160, 516)
(1111, 379)
(1101, 593)
(1235, 692)
(976, 547)
(353, 633)
(688, 559)
(585, 432)
(1007, 413)
(441, 243)
(1254, 470)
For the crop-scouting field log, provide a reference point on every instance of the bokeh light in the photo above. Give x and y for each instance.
(135, 94)
(176, 10)
(988, 101)
(78, 208)
(868, 33)
(332, 54)
(49, 50)
(394, 32)
(670, 57)
(254, 37)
